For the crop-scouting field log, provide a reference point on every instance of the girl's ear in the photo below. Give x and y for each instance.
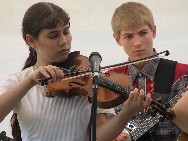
(117, 40)
(30, 41)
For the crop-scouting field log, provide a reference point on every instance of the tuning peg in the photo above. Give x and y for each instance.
(44, 81)
(153, 112)
(161, 119)
(167, 105)
(152, 102)
(159, 100)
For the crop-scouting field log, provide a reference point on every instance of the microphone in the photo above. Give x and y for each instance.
(95, 60)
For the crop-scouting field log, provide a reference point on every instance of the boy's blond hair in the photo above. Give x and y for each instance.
(130, 15)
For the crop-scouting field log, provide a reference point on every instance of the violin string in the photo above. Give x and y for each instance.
(134, 62)
(76, 76)
(80, 75)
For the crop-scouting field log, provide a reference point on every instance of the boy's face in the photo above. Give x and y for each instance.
(137, 43)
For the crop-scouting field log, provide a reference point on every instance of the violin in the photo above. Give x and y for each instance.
(114, 88)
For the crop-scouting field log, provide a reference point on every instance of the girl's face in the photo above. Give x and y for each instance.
(53, 45)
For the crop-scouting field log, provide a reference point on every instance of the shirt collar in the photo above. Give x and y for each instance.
(148, 70)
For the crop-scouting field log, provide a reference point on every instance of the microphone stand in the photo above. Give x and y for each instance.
(95, 60)
(94, 105)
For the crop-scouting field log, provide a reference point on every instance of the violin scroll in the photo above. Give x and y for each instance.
(164, 111)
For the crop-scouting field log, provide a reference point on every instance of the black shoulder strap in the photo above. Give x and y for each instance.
(164, 76)
(163, 82)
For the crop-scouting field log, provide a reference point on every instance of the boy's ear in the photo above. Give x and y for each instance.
(117, 40)
(154, 32)
(30, 41)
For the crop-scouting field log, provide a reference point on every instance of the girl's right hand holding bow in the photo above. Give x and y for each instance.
(44, 72)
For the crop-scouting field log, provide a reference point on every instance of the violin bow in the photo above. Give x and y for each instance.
(86, 72)
(138, 60)
(76, 74)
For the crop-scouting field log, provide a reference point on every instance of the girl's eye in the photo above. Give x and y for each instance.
(66, 32)
(53, 35)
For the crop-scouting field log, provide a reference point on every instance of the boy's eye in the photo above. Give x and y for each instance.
(128, 37)
(143, 33)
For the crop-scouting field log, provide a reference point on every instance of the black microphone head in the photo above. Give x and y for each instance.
(95, 55)
(95, 60)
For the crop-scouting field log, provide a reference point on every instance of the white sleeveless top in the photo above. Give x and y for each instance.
(50, 119)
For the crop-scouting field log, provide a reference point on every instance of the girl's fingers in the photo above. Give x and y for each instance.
(51, 72)
(43, 71)
(136, 95)
(141, 100)
(147, 101)
(137, 101)
(131, 96)
(59, 74)
(142, 92)
(135, 90)
(55, 73)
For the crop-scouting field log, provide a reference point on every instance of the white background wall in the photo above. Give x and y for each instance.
(91, 30)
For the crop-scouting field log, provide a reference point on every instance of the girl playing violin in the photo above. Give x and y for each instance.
(46, 30)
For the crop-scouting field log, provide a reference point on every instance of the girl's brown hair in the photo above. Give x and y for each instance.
(42, 15)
